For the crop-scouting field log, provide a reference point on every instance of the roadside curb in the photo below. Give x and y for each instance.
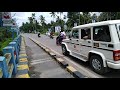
(62, 63)
(22, 68)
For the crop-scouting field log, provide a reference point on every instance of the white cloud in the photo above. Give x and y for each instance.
(23, 16)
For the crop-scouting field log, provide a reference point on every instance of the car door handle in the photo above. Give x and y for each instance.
(72, 43)
(76, 40)
(70, 38)
(89, 41)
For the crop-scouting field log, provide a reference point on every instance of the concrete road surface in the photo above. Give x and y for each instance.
(43, 65)
(79, 65)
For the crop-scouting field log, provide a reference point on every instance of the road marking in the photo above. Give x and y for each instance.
(41, 59)
(71, 69)
(22, 46)
(59, 59)
(47, 50)
(22, 50)
(52, 54)
(23, 55)
(22, 67)
(39, 54)
(23, 76)
(23, 59)
(40, 62)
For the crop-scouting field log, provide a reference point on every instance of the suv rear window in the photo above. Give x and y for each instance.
(101, 33)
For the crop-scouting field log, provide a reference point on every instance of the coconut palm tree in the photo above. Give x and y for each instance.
(42, 21)
(60, 14)
(33, 17)
(53, 15)
(60, 17)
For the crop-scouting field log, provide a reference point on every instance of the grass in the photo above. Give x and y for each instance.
(4, 44)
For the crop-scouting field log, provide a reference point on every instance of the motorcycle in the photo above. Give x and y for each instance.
(59, 40)
(51, 36)
(39, 35)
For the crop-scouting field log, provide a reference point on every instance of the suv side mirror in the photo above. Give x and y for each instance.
(69, 36)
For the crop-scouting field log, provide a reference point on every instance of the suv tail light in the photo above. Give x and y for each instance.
(14, 53)
(116, 55)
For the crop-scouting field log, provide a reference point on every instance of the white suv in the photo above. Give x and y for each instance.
(98, 43)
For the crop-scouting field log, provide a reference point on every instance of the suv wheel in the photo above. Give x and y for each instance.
(97, 64)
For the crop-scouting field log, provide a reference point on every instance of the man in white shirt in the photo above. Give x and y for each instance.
(62, 36)
(63, 33)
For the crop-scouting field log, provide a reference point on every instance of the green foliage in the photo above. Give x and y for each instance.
(4, 33)
(0, 48)
(43, 31)
(1, 37)
(109, 16)
(5, 37)
(76, 17)
(42, 20)
(4, 44)
(56, 33)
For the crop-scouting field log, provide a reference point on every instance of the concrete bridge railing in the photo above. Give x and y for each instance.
(8, 62)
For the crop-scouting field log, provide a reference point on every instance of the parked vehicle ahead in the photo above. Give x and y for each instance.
(98, 43)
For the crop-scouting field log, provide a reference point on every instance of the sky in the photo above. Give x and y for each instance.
(23, 16)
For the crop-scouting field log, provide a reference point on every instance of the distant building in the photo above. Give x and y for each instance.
(57, 29)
